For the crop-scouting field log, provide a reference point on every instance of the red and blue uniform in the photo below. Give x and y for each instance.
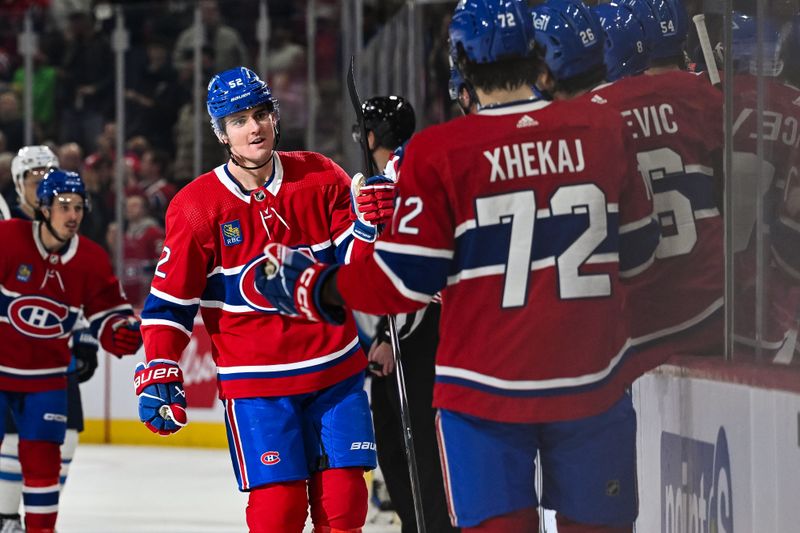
(676, 307)
(518, 207)
(293, 391)
(779, 168)
(42, 294)
(214, 229)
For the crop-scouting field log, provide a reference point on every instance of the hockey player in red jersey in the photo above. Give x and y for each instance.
(676, 307)
(298, 421)
(762, 184)
(47, 275)
(525, 213)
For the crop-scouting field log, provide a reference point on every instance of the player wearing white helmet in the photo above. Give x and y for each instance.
(27, 169)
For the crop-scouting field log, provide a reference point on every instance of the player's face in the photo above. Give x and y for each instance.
(66, 214)
(251, 133)
(31, 182)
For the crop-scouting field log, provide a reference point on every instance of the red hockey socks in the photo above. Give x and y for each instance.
(41, 463)
(338, 500)
(278, 507)
(565, 525)
(522, 521)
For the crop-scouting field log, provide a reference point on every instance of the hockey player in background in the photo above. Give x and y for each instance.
(390, 122)
(769, 179)
(676, 307)
(525, 214)
(28, 168)
(297, 416)
(47, 275)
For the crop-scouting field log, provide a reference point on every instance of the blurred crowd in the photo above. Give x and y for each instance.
(74, 98)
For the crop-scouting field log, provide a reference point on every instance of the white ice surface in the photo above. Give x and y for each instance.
(140, 489)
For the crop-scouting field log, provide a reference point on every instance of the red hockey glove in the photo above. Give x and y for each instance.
(373, 204)
(121, 336)
(375, 200)
(292, 282)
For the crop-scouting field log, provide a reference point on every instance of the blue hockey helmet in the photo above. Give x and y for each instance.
(643, 12)
(568, 37)
(235, 90)
(57, 182)
(744, 37)
(625, 42)
(491, 30)
(666, 26)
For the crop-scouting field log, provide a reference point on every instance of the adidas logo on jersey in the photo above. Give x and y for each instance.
(597, 99)
(526, 122)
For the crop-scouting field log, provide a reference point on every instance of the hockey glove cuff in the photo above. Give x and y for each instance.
(293, 281)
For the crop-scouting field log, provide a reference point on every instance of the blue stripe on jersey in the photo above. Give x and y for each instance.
(156, 308)
(8, 476)
(340, 252)
(423, 274)
(288, 373)
(488, 245)
(534, 393)
(329, 254)
(40, 498)
(223, 288)
(638, 246)
(697, 187)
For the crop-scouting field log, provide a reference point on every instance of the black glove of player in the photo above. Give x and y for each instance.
(84, 349)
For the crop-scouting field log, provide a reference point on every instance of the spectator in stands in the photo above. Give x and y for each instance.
(154, 183)
(229, 49)
(11, 123)
(211, 152)
(44, 93)
(153, 98)
(85, 82)
(70, 157)
(7, 190)
(97, 171)
(143, 240)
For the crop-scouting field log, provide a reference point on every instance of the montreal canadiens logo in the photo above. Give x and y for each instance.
(247, 286)
(270, 458)
(39, 317)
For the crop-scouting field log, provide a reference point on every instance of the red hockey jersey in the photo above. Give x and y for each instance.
(41, 296)
(677, 306)
(526, 215)
(780, 136)
(214, 230)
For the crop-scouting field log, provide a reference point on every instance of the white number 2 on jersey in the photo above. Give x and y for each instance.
(519, 210)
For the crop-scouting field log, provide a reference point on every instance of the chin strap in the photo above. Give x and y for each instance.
(256, 167)
(52, 230)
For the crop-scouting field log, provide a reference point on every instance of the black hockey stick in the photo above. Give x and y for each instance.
(405, 416)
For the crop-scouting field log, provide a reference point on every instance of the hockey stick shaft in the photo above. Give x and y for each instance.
(705, 46)
(405, 415)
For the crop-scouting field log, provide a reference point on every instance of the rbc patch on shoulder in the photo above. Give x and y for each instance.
(231, 233)
(24, 272)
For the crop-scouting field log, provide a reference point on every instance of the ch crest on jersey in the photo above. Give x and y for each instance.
(24, 272)
(39, 317)
(232, 233)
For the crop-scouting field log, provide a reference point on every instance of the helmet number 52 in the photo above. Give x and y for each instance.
(238, 82)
